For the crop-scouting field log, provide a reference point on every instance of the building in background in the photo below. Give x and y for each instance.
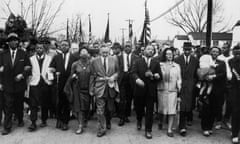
(199, 39)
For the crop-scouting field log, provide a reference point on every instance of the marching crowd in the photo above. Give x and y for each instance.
(108, 80)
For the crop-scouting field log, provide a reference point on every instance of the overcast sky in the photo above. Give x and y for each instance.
(121, 10)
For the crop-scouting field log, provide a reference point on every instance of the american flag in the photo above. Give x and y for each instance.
(146, 33)
(130, 31)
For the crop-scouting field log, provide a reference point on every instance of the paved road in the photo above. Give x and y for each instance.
(118, 135)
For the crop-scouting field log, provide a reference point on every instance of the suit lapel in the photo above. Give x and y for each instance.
(16, 58)
(183, 61)
(45, 62)
(100, 65)
(131, 60)
(62, 61)
(8, 58)
(121, 62)
(144, 62)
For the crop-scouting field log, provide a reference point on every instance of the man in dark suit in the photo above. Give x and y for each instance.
(16, 68)
(188, 65)
(1, 92)
(61, 65)
(146, 73)
(125, 82)
(212, 110)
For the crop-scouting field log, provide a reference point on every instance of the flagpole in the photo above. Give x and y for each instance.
(67, 33)
(130, 29)
(123, 40)
(90, 29)
(81, 39)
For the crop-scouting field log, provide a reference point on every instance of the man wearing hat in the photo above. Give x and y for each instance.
(188, 65)
(15, 70)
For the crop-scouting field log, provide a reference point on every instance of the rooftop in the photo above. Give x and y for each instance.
(215, 36)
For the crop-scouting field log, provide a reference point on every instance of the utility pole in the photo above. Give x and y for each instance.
(130, 29)
(209, 24)
(123, 40)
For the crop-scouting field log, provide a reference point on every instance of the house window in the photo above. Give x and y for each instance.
(203, 42)
(215, 43)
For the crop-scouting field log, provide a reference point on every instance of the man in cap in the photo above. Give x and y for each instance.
(188, 65)
(15, 70)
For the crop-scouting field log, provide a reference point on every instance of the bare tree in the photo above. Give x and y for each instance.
(39, 14)
(192, 16)
(75, 29)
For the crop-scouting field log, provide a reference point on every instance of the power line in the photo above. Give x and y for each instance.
(166, 12)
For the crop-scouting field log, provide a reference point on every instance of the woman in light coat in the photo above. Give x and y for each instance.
(168, 89)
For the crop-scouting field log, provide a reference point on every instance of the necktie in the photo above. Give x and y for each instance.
(13, 56)
(186, 61)
(128, 61)
(105, 64)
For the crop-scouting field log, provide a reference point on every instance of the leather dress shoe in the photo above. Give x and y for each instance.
(121, 122)
(101, 133)
(183, 132)
(64, 127)
(160, 126)
(6, 131)
(139, 125)
(189, 123)
(59, 124)
(235, 140)
(79, 130)
(32, 127)
(127, 120)
(108, 126)
(148, 135)
(170, 134)
(43, 124)
(206, 133)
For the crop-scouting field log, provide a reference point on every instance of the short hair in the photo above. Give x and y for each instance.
(216, 48)
(116, 45)
(236, 47)
(66, 42)
(164, 58)
(84, 47)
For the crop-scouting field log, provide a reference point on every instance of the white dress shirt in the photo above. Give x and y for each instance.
(13, 58)
(102, 58)
(66, 60)
(187, 59)
(148, 61)
(126, 57)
